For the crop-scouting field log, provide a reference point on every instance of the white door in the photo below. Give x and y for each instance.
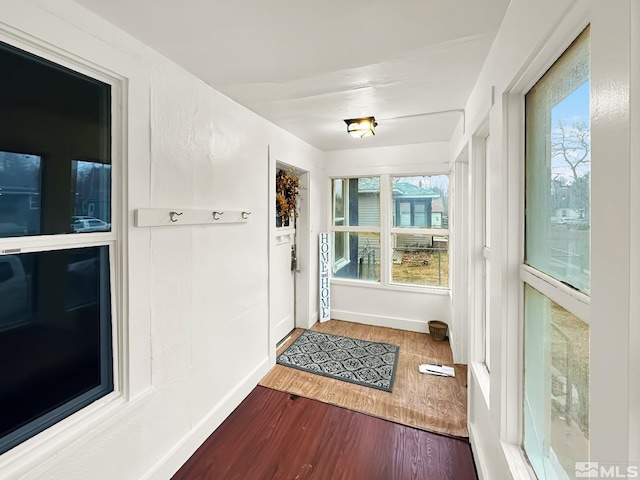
(283, 296)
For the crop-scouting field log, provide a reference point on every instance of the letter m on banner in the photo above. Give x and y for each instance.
(323, 282)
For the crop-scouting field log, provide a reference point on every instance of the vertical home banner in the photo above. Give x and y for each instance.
(325, 265)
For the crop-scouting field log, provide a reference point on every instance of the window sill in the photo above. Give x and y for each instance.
(517, 461)
(393, 287)
(483, 378)
(78, 428)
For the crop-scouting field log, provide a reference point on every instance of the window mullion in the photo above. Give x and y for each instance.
(54, 242)
(572, 300)
(385, 225)
(355, 229)
(438, 232)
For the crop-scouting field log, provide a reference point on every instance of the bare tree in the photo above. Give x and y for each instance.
(572, 144)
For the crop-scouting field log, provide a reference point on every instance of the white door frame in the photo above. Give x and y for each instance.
(302, 279)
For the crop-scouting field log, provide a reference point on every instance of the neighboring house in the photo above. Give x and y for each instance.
(438, 215)
(19, 211)
(413, 206)
(567, 215)
(92, 189)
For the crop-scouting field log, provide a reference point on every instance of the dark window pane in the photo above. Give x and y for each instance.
(55, 338)
(19, 194)
(55, 146)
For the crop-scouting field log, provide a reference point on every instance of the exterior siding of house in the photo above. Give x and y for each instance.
(368, 209)
(369, 243)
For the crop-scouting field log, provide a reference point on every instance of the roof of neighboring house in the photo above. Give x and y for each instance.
(369, 185)
(400, 189)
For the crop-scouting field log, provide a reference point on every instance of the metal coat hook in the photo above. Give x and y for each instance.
(173, 216)
(216, 215)
(245, 215)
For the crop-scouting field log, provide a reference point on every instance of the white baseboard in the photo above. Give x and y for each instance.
(180, 453)
(379, 321)
(477, 454)
(310, 321)
(458, 351)
(502, 460)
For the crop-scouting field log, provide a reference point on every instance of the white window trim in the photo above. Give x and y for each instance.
(385, 229)
(345, 256)
(478, 260)
(434, 232)
(129, 392)
(512, 380)
(572, 300)
(345, 195)
(510, 162)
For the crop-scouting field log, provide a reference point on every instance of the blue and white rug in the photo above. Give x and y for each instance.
(370, 364)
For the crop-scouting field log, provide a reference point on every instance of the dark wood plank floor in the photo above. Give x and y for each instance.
(274, 435)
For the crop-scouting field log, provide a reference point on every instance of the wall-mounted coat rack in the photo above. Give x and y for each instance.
(159, 217)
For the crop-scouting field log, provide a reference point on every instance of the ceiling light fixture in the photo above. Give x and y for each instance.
(361, 127)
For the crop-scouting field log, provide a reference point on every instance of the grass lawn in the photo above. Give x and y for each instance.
(422, 268)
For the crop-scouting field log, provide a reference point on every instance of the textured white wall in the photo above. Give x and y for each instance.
(199, 294)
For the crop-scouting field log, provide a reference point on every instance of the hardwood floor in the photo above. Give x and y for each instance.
(437, 404)
(274, 435)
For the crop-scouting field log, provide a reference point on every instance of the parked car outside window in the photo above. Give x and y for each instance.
(89, 224)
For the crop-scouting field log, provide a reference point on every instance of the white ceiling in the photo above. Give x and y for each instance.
(306, 65)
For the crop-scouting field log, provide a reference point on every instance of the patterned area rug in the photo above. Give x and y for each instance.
(370, 364)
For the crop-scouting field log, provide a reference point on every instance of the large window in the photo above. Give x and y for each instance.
(410, 240)
(419, 232)
(356, 228)
(55, 291)
(556, 273)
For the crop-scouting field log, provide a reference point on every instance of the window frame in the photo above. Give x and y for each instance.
(340, 259)
(575, 302)
(480, 259)
(385, 230)
(69, 428)
(485, 203)
(345, 259)
(423, 231)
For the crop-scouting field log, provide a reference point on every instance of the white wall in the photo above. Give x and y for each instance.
(532, 36)
(198, 296)
(396, 307)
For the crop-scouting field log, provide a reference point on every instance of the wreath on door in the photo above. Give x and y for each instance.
(287, 191)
